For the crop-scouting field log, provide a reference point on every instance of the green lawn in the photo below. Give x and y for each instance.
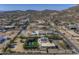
(54, 36)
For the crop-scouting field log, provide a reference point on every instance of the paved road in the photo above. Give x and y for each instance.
(67, 34)
(71, 37)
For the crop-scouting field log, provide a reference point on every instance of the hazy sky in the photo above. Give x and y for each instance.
(7, 7)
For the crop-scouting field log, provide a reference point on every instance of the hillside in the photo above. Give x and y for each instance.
(69, 15)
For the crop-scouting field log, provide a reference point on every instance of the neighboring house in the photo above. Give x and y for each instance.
(9, 27)
(2, 30)
(72, 26)
(77, 27)
(2, 39)
(35, 33)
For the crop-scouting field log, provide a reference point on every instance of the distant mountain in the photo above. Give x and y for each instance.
(71, 14)
(47, 10)
(75, 8)
(31, 10)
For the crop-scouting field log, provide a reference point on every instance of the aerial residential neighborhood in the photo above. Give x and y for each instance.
(40, 31)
